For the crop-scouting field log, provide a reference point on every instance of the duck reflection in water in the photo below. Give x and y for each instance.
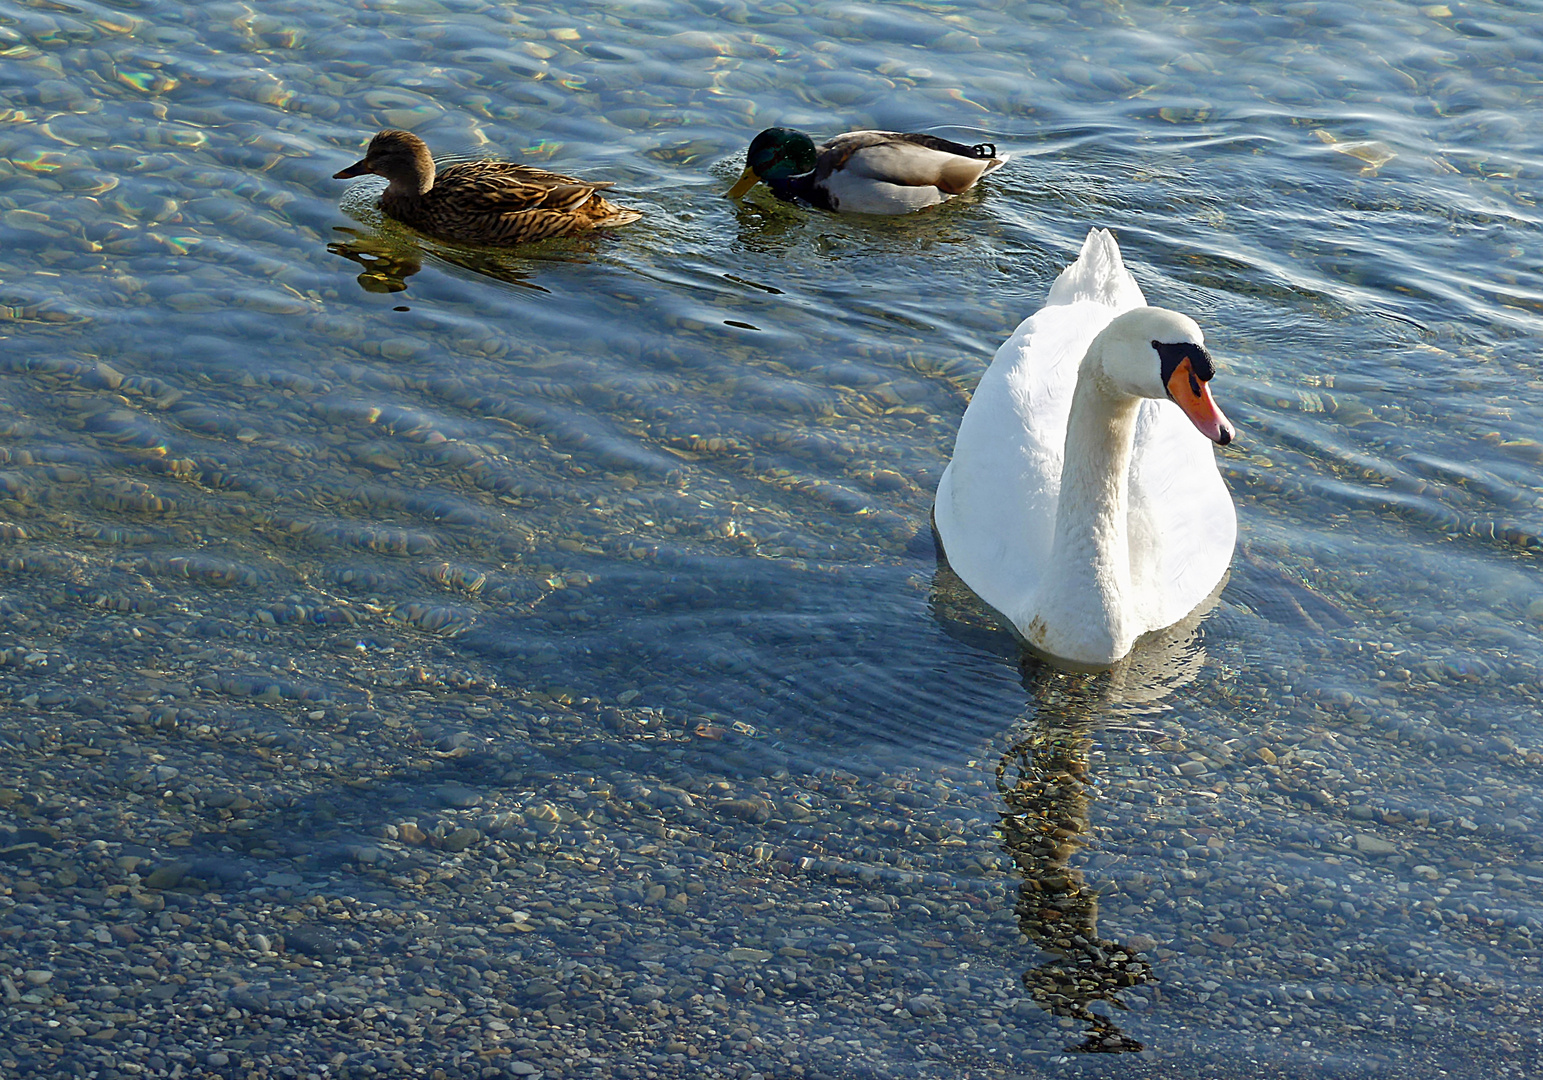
(388, 261)
(1045, 789)
(386, 267)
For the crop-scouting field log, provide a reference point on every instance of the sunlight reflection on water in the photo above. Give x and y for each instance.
(305, 466)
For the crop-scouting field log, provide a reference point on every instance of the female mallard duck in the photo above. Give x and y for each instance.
(482, 202)
(1083, 500)
(864, 172)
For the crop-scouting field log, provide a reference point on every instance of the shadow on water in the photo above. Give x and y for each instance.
(827, 664)
(776, 665)
(806, 673)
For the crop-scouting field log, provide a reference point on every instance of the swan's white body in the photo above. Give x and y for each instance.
(1080, 502)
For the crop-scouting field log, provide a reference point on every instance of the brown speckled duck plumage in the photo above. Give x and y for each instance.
(493, 203)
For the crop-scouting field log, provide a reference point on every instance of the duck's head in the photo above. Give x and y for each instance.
(400, 156)
(1155, 353)
(774, 154)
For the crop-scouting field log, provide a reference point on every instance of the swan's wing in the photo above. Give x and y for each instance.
(996, 503)
(1098, 275)
(1177, 494)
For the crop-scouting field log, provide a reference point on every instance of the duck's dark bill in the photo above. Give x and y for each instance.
(358, 168)
(747, 180)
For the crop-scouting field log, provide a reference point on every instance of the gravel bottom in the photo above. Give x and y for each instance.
(396, 865)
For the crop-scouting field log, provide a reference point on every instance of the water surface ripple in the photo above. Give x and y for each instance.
(536, 662)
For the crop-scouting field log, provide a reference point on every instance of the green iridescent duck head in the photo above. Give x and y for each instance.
(775, 154)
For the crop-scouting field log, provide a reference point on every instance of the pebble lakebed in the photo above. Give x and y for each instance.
(469, 879)
(307, 770)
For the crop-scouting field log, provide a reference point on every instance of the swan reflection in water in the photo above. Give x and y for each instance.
(1046, 793)
(1047, 797)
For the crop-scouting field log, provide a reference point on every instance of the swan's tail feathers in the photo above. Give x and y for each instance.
(1099, 275)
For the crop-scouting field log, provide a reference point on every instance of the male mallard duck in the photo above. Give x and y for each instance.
(482, 202)
(1083, 500)
(864, 172)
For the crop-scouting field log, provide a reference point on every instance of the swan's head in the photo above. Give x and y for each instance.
(1155, 353)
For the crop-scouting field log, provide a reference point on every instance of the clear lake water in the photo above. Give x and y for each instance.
(602, 565)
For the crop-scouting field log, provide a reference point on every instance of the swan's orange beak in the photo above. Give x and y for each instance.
(1194, 397)
(358, 168)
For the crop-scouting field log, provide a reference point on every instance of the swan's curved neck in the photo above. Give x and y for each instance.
(1087, 585)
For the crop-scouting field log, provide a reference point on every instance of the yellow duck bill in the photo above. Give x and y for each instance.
(747, 180)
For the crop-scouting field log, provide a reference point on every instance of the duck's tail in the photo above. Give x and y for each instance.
(1099, 275)
(607, 215)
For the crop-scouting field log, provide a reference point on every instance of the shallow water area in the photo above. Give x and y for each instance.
(422, 660)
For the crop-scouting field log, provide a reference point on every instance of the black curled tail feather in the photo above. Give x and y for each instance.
(948, 146)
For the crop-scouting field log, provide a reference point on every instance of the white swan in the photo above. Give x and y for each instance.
(1080, 502)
